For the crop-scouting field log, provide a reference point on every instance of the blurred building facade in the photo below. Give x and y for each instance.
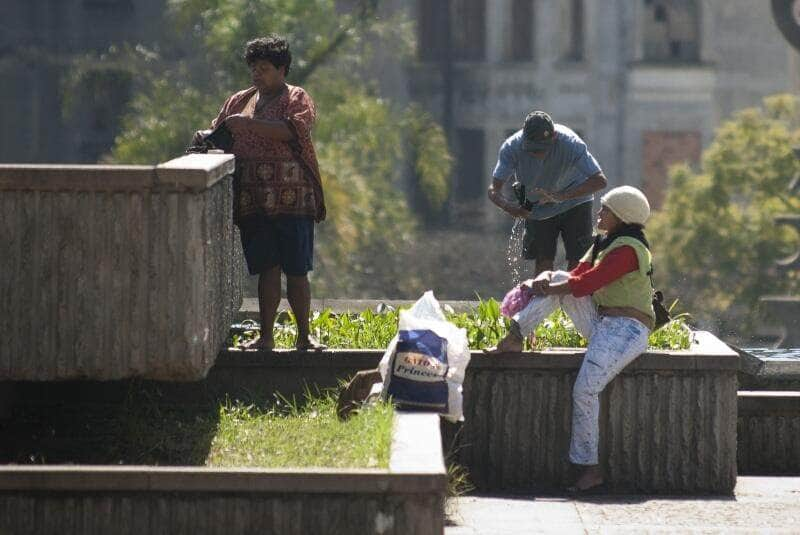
(40, 40)
(645, 82)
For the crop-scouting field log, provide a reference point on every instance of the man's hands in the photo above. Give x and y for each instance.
(549, 196)
(512, 208)
(517, 211)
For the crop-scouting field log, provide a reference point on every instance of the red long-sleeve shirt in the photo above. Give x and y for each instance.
(585, 279)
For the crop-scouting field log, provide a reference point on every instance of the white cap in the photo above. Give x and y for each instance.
(628, 203)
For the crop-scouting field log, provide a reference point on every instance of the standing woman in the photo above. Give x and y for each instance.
(278, 191)
(609, 298)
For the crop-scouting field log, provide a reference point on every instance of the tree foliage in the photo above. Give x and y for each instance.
(715, 240)
(362, 140)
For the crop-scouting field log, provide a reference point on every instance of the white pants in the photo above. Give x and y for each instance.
(614, 342)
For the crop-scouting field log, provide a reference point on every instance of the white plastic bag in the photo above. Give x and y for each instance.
(424, 366)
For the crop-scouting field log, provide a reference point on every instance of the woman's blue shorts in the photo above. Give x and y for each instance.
(287, 241)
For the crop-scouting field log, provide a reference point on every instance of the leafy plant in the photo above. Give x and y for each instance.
(458, 483)
(484, 324)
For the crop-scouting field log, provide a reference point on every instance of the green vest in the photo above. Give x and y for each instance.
(632, 289)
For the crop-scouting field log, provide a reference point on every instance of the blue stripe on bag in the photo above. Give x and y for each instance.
(424, 386)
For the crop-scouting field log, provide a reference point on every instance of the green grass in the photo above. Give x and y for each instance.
(484, 324)
(148, 428)
(309, 436)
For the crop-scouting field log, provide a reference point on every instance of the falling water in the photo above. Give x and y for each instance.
(514, 258)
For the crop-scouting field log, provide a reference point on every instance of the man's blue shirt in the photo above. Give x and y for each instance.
(568, 164)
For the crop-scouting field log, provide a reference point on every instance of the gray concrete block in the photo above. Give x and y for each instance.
(111, 274)
(665, 428)
(768, 432)
(406, 498)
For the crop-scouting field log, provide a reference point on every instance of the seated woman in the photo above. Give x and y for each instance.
(609, 298)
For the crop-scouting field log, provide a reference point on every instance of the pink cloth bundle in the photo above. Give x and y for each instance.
(515, 300)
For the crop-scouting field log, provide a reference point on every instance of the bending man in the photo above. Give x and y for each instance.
(561, 176)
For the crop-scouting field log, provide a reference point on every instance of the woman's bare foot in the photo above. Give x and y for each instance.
(510, 344)
(260, 343)
(590, 478)
(309, 344)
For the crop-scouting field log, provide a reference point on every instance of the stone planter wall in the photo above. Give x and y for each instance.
(110, 272)
(769, 433)
(406, 498)
(668, 423)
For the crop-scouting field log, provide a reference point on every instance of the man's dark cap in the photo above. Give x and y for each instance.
(538, 133)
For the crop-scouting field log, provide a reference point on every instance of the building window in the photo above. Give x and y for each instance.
(431, 19)
(660, 151)
(103, 92)
(471, 176)
(522, 24)
(575, 50)
(671, 30)
(466, 20)
(468, 28)
(660, 13)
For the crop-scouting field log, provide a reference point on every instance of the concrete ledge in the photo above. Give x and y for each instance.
(193, 172)
(768, 430)
(406, 498)
(47, 177)
(416, 445)
(706, 353)
(781, 369)
(773, 401)
(79, 478)
(769, 369)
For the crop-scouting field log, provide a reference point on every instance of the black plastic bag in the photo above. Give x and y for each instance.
(220, 138)
(662, 314)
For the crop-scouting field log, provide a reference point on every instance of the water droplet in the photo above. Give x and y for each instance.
(514, 260)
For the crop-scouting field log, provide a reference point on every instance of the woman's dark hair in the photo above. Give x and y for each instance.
(272, 48)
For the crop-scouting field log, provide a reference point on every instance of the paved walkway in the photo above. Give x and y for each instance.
(760, 505)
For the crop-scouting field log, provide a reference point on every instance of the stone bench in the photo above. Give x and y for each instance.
(769, 433)
(406, 498)
(668, 422)
(110, 272)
